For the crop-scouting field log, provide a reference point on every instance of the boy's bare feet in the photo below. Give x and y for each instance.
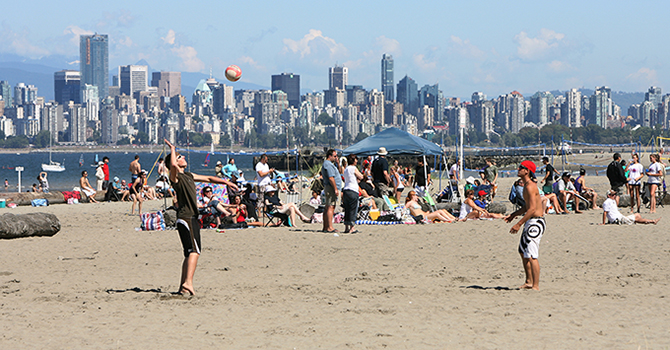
(526, 286)
(656, 221)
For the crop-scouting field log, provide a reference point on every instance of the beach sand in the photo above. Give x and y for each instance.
(101, 284)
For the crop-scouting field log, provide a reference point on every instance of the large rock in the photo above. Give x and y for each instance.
(28, 225)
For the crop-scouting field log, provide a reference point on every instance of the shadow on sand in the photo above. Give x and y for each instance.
(488, 288)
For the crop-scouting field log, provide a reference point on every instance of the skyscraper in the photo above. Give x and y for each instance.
(387, 77)
(133, 79)
(654, 96)
(338, 77)
(408, 94)
(24, 95)
(290, 84)
(94, 62)
(601, 106)
(431, 96)
(168, 83)
(571, 111)
(6, 93)
(66, 86)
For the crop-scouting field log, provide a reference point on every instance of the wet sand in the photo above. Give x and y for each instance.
(99, 283)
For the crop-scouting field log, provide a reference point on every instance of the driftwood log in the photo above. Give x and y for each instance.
(495, 207)
(54, 197)
(28, 225)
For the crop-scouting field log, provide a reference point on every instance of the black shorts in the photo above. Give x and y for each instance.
(189, 234)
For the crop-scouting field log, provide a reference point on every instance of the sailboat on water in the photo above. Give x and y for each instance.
(52, 166)
(211, 151)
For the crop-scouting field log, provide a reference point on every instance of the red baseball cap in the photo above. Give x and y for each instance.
(481, 193)
(530, 166)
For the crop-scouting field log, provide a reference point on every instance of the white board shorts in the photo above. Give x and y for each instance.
(529, 243)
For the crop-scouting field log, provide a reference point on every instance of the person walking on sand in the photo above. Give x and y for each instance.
(533, 225)
(105, 170)
(183, 182)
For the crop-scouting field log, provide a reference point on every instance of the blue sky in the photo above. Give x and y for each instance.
(490, 46)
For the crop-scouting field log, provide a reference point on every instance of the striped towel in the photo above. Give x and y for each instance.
(372, 222)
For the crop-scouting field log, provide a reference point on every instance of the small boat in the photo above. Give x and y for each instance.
(52, 166)
(95, 164)
(81, 160)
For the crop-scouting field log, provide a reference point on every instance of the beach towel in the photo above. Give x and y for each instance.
(39, 202)
(220, 191)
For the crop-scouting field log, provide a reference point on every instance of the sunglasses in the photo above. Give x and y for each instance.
(522, 167)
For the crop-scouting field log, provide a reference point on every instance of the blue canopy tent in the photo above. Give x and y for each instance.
(397, 142)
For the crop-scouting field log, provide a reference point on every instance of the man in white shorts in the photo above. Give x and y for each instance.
(533, 225)
(612, 215)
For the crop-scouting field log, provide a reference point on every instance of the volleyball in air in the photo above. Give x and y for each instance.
(233, 73)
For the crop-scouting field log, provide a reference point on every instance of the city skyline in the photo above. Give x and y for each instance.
(476, 47)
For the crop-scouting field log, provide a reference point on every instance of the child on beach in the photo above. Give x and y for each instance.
(533, 225)
(188, 225)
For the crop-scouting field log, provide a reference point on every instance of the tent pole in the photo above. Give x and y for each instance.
(425, 174)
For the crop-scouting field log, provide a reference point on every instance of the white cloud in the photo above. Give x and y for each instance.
(388, 45)
(18, 43)
(189, 56)
(251, 62)
(423, 63)
(465, 48)
(540, 47)
(559, 66)
(643, 77)
(315, 43)
(169, 37)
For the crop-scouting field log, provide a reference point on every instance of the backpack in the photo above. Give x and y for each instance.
(516, 195)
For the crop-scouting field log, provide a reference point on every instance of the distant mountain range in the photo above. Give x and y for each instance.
(39, 72)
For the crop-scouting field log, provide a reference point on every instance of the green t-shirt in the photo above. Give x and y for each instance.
(491, 172)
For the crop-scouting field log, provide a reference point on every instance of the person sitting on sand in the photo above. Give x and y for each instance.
(272, 201)
(471, 211)
(586, 192)
(611, 214)
(412, 203)
(565, 189)
(86, 187)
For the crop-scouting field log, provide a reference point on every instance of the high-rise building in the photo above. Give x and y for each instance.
(355, 94)
(6, 93)
(338, 77)
(539, 107)
(600, 106)
(387, 77)
(571, 110)
(168, 83)
(90, 101)
(408, 95)
(66, 86)
(431, 96)
(133, 79)
(290, 84)
(478, 96)
(94, 62)
(481, 114)
(653, 95)
(77, 123)
(24, 94)
(222, 99)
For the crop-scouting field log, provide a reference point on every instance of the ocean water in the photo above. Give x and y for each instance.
(118, 166)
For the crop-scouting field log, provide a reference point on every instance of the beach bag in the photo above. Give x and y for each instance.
(39, 202)
(152, 222)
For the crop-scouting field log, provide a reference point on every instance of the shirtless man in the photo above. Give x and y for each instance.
(86, 187)
(533, 225)
(135, 168)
